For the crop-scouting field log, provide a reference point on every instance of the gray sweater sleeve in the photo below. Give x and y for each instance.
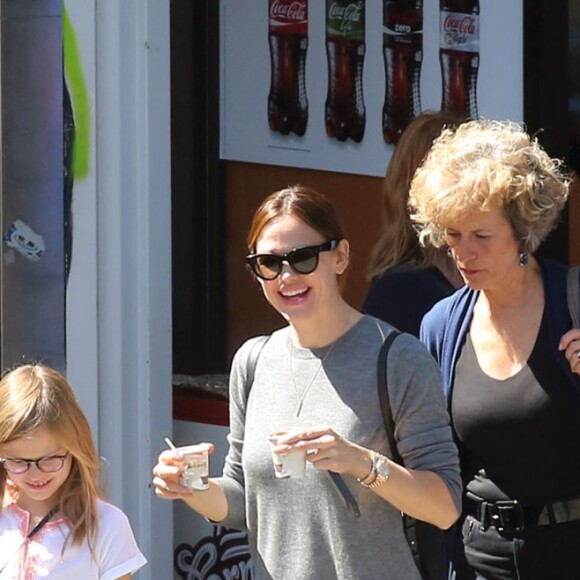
(232, 480)
(422, 430)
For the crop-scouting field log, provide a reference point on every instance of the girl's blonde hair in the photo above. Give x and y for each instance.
(398, 241)
(32, 396)
(484, 165)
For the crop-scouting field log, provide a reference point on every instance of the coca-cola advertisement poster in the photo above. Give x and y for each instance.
(332, 84)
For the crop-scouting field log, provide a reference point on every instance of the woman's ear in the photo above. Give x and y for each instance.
(342, 256)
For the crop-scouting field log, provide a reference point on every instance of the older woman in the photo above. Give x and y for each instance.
(504, 342)
(316, 381)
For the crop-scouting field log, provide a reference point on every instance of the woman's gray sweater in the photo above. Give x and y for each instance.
(301, 528)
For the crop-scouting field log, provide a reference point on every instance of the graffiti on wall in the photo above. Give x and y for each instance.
(77, 128)
(223, 556)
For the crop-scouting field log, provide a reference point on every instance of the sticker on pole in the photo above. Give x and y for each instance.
(25, 241)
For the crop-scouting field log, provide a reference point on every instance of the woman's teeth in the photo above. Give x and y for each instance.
(290, 293)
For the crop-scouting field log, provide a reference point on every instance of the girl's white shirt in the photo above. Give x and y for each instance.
(115, 552)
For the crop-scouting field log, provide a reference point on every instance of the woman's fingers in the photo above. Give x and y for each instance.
(166, 476)
(308, 440)
(166, 490)
(325, 450)
(168, 457)
(303, 436)
(167, 484)
(570, 337)
(574, 360)
(570, 344)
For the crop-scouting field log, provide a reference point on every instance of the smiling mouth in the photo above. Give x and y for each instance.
(38, 486)
(294, 293)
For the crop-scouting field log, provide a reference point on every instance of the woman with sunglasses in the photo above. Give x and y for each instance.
(53, 523)
(316, 382)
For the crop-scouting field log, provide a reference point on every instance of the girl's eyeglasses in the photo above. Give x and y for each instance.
(48, 464)
(301, 260)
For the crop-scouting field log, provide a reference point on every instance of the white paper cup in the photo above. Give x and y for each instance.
(291, 464)
(195, 466)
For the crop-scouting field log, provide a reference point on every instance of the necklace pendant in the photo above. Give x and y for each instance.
(302, 395)
(299, 408)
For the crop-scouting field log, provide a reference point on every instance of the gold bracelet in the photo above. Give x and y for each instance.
(372, 475)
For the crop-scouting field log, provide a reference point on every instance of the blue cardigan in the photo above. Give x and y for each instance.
(445, 326)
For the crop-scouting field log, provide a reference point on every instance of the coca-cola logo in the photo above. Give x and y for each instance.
(465, 26)
(350, 13)
(460, 31)
(348, 18)
(289, 11)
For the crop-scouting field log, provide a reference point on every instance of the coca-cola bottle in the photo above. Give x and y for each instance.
(345, 115)
(459, 55)
(288, 39)
(403, 55)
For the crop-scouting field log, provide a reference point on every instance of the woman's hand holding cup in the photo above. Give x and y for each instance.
(288, 461)
(326, 450)
(182, 471)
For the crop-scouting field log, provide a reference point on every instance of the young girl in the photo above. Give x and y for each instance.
(52, 522)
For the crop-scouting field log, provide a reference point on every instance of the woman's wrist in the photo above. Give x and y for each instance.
(369, 473)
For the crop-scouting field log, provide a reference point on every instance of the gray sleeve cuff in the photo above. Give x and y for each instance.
(236, 518)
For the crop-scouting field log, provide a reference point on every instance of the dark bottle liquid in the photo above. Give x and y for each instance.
(345, 114)
(459, 55)
(403, 56)
(288, 40)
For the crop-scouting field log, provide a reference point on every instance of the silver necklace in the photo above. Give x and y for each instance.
(302, 395)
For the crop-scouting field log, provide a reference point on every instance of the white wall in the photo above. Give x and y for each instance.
(119, 296)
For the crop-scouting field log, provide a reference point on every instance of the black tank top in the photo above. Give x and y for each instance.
(519, 438)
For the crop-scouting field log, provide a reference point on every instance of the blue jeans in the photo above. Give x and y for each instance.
(536, 553)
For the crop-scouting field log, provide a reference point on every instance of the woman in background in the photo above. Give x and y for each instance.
(407, 278)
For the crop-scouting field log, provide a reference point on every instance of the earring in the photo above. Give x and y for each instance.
(449, 253)
(524, 259)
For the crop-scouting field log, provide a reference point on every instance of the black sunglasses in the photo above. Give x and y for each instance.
(301, 260)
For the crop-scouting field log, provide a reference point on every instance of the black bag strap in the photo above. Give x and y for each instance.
(252, 362)
(573, 295)
(384, 395)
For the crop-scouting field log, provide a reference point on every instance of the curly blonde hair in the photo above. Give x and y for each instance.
(483, 165)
